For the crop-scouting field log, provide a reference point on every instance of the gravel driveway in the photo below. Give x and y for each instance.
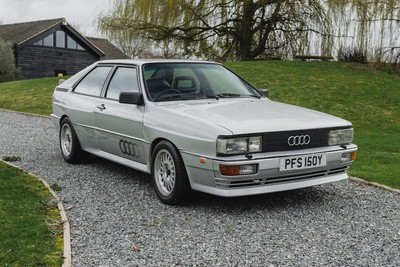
(116, 219)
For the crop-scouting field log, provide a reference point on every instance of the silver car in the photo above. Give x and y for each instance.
(196, 125)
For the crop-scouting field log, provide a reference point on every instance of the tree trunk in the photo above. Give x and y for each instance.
(245, 31)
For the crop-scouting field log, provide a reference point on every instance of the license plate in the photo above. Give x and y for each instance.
(302, 162)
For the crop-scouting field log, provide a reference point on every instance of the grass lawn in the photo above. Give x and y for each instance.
(367, 97)
(30, 224)
(33, 96)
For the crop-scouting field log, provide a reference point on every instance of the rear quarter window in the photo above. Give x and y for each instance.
(93, 83)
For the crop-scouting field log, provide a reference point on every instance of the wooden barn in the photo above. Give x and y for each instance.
(49, 47)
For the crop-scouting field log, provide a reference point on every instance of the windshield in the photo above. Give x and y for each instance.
(188, 81)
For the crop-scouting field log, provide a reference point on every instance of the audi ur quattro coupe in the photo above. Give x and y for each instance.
(196, 125)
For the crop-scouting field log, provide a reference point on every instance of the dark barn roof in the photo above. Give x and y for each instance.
(110, 50)
(19, 33)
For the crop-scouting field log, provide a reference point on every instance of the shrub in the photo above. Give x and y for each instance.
(352, 55)
(8, 71)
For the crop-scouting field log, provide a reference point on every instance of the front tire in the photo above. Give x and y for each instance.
(168, 174)
(69, 143)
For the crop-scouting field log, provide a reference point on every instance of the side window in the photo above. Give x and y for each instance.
(123, 80)
(93, 82)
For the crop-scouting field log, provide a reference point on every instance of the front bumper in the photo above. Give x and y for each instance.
(206, 177)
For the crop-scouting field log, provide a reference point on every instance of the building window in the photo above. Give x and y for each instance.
(71, 44)
(79, 47)
(60, 39)
(48, 41)
(40, 42)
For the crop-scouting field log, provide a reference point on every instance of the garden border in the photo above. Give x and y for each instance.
(381, 186)
(64, 219)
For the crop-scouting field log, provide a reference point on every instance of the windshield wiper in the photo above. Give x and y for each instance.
(227, 95)
(173, 97)
(255, 96)
(168, 97)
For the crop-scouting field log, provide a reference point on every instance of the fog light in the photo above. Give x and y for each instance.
(234, 170)
(248, 169)
(346, 157)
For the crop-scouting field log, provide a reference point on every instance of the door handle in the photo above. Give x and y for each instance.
(101, 107)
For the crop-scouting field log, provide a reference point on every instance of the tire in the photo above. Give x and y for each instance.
(168, 174)
(69, 143)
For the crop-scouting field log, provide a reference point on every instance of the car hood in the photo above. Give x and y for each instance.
(244, 115)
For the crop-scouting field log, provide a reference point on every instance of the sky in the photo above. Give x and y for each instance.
(81, 14)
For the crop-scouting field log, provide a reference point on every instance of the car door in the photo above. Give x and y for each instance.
(82, 103)
(119, 127)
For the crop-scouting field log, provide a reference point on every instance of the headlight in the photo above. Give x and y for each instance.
(240, 145)
(339, 137)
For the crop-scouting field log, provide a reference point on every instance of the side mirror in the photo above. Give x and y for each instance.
(265, 92)
(131, 98)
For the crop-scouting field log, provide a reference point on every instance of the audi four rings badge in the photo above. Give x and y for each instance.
(129, 149)
(299, 140)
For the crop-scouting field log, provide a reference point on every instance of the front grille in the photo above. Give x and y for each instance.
(241, 183)
(278, 141)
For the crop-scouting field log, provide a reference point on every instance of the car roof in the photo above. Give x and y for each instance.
(145, 61)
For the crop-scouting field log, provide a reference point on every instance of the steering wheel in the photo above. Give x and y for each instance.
(165, 92)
